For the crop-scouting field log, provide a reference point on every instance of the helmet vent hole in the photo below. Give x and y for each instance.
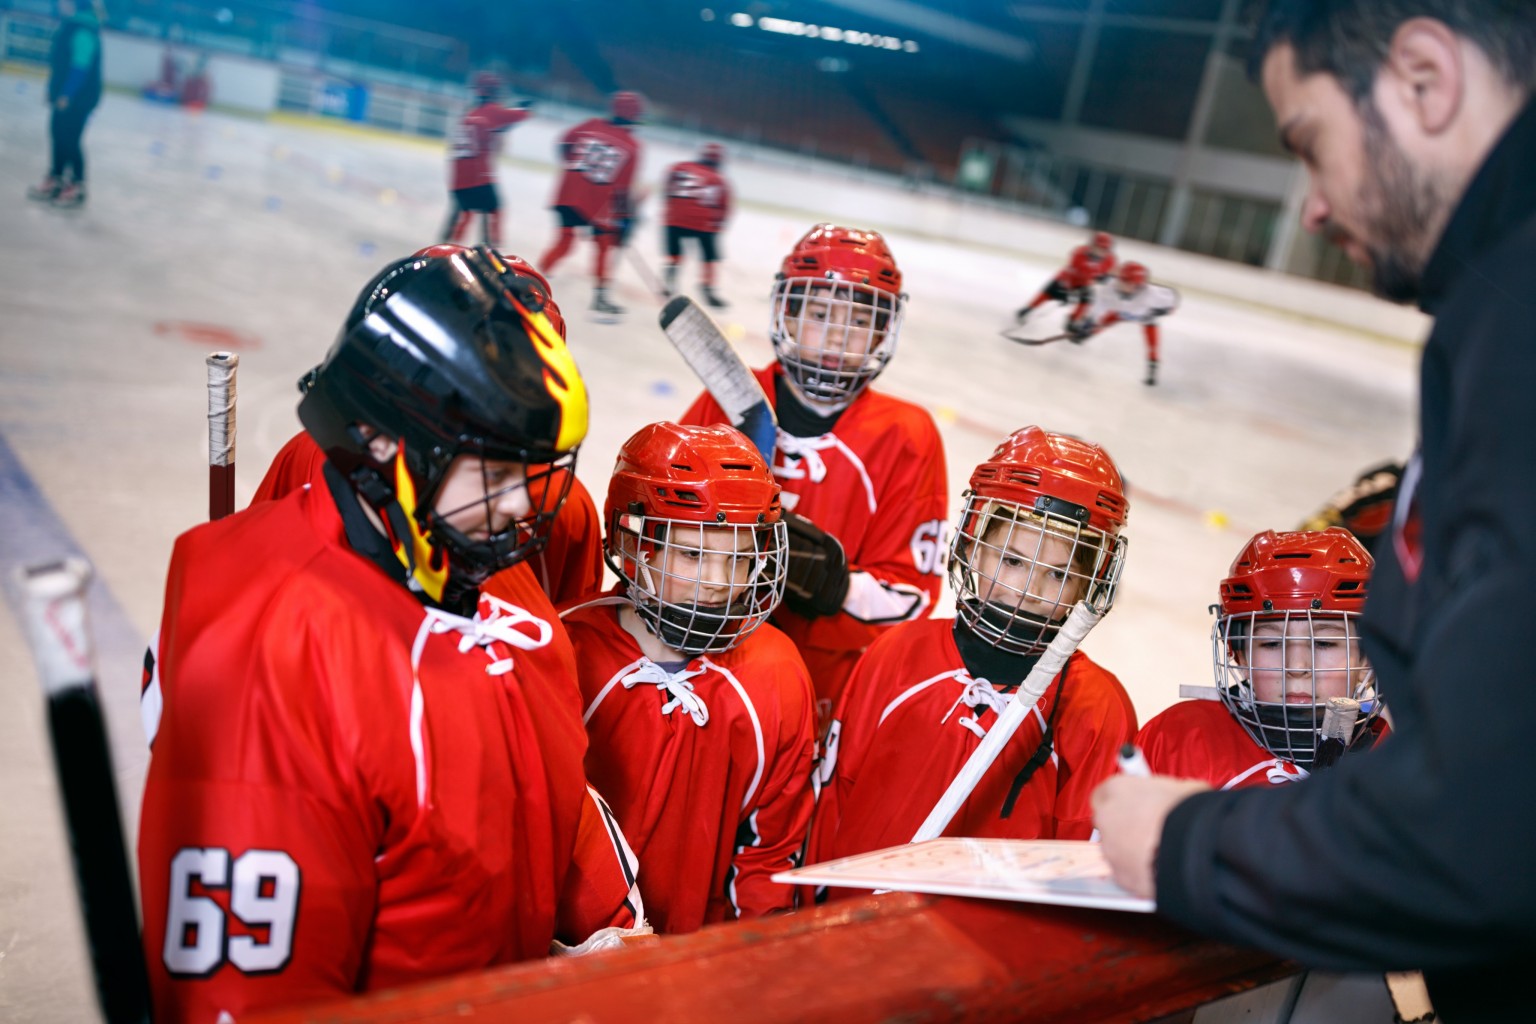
(737, 467)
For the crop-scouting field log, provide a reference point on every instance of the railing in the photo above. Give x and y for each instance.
(1238, 228)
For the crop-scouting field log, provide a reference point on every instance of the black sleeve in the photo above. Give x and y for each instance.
(1419, 853)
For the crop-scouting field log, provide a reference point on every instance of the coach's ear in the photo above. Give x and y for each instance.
(1425, 75)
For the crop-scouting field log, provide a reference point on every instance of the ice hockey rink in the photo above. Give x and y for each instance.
(207, 232)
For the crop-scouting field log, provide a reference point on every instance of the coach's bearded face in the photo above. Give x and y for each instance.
(1397, 206)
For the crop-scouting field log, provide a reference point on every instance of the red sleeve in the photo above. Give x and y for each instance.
(772, 833)
(1091, 731)
(600, 890)
(506, 117)
(257, 874)
(704, 412)
(571, 565)
(848, 739)
(898, 569)
(297, 463)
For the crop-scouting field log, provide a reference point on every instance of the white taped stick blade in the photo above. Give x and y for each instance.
(58, 629)
(727, 379)
(222, 367)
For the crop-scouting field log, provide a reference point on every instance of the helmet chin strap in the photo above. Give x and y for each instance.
(410, 549)
(820, 406)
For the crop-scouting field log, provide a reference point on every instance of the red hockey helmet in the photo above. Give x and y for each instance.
(1103, 241)
(837, 307)
(695, 530)
(1040, 531)
(1285, 638)
(712, 153)
(488, 83)
(1133, 276)
(627, 106)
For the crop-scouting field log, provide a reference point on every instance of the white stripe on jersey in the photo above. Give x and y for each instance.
(151, 701)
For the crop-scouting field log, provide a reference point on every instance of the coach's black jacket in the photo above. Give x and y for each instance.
(1422, 852)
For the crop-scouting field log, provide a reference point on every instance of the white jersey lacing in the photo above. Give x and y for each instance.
(495, 622)
(1276, 770)
(803, 461)
(677, 685)
(977, 692)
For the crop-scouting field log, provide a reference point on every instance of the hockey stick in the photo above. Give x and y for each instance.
(1084, 617)
(647, 275)
(1008, 332)
(221, 433)
(727, 379)
(56, 624)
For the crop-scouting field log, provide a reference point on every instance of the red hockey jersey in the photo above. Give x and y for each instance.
(911, 716)
(351, 791)
(698, 198)
(708, 768)
(877, 483)
(476, 142)
(1083, 268)
(570, 566)
(599, 159)
(1199, 739)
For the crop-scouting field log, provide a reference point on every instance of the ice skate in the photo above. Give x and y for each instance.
(604, 311)
(669, 279)
(1151, 377)
(714, 301)
(69, 197)
(45, 192)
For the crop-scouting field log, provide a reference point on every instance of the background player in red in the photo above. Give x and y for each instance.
(362, 775)
(698, 203)
(862, 471)
(1040, 529)
(570, 562)
(1074, 283)
(1285, 641)
(1131, 298)
(472, 152)
(699, 715)
(598, 158)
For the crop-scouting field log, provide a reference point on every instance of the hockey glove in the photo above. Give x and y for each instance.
(817, 577)
(1365, 507)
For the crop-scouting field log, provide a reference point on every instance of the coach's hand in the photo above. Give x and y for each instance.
(817, 577)
(1129, 813)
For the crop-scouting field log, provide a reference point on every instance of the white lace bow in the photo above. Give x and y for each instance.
(676, 685)
(976, 692)
(803, 456)
(495, 621)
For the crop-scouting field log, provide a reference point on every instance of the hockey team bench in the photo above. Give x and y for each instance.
(893, 957)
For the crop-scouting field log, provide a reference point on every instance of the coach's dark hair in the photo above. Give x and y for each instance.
(1349, 39)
